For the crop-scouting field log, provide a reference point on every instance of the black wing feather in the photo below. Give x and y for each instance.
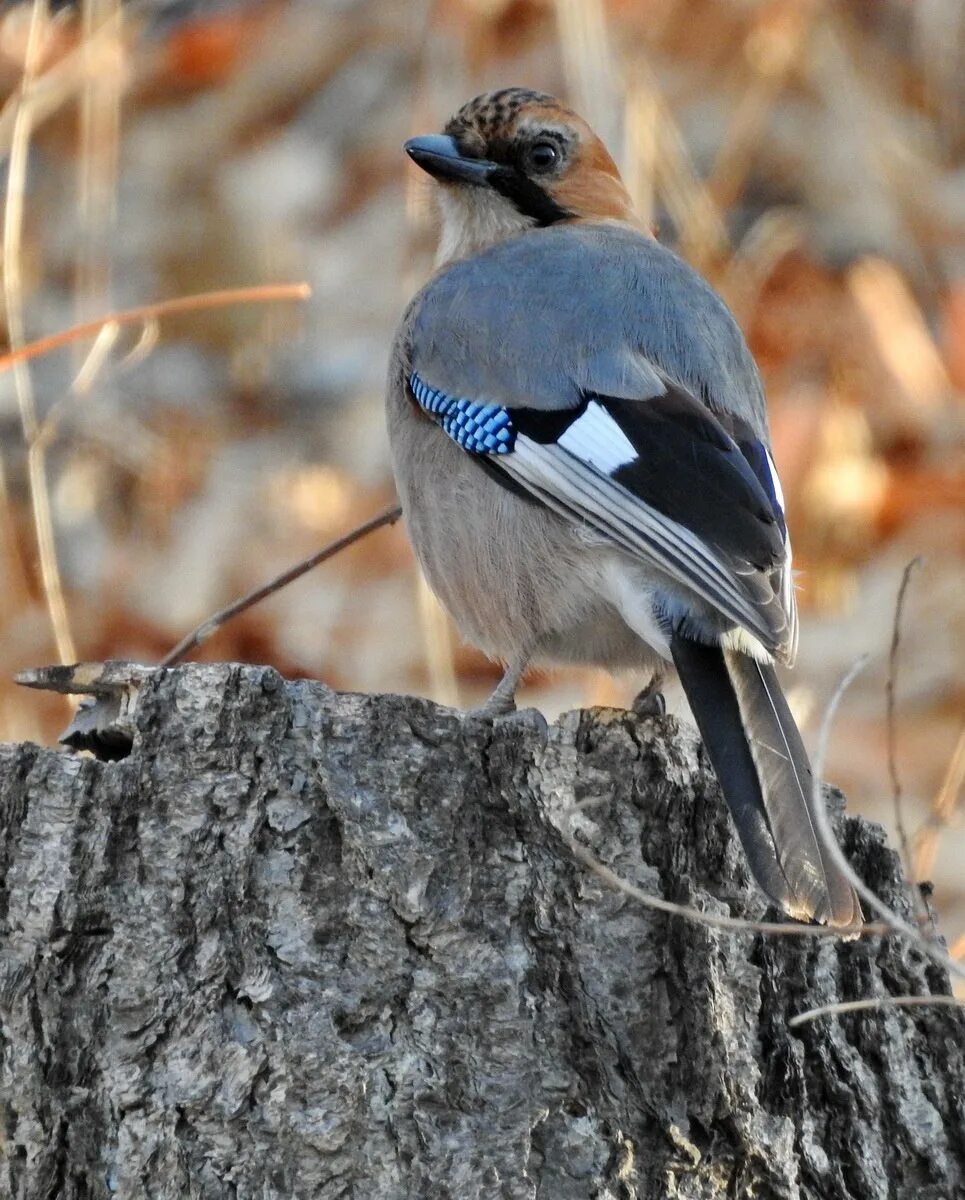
(691, 470)
(688, 468)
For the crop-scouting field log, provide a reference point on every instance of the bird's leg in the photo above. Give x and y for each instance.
(649, 701)
(503, 698)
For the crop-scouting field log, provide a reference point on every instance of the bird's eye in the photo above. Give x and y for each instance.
(543, 156)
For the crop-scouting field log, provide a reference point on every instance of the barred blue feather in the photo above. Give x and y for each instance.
(477, 428)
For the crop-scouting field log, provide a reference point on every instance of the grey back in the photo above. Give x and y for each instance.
(590, 307)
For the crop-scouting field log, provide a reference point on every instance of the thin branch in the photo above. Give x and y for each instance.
(153, 312)
(891, 689)
(215, 622)
(848, 1006)
(830, 842)
(735, 924)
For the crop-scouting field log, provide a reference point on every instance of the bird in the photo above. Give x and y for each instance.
(580, 443)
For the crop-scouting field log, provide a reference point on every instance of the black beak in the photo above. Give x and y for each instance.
(440, 157)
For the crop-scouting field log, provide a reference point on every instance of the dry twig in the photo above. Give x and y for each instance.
(830, 842)
(891, 688)
(147, 313)
(877, 1003)
(220, 618)
(736, 924)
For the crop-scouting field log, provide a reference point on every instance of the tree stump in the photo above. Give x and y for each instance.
(307, 944)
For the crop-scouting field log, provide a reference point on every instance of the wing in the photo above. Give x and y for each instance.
(659, 478)
(590, 368)
(758, 455)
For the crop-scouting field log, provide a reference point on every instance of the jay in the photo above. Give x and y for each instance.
(580, 442)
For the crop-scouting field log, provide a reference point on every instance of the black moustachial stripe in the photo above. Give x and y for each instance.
(528, 197)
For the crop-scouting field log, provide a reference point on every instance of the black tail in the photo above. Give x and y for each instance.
(765, 776)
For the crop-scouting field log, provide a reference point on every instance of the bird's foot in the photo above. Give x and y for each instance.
(650, 702)
(495, 706)
(526, 718)
(504, 714)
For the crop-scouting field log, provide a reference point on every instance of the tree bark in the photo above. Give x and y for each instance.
(308, 944)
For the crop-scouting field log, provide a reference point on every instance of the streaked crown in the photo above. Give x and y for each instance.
(513, 159)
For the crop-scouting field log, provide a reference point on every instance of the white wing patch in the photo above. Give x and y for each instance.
(788, 599)
(775, 479)
(595, 438)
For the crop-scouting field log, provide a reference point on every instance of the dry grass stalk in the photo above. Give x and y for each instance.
(943, 812)
(50, 89)
(774, 235)
(902, 340)
(588, 64)
(95, 360)
(702, 233)
(932, 949)
(640, 141)
(658, 162)
(891, 688)
(772, 48)
(13, 301)
(440, 653)
(104, 331)
(100, 102)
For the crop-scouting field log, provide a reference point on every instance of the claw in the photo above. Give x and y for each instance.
(650, 702)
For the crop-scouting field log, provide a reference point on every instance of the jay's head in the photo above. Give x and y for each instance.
(513, 160)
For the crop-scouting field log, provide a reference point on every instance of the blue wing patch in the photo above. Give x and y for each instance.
(477, 428)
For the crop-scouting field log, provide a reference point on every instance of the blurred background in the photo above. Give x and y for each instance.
(807, 156)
